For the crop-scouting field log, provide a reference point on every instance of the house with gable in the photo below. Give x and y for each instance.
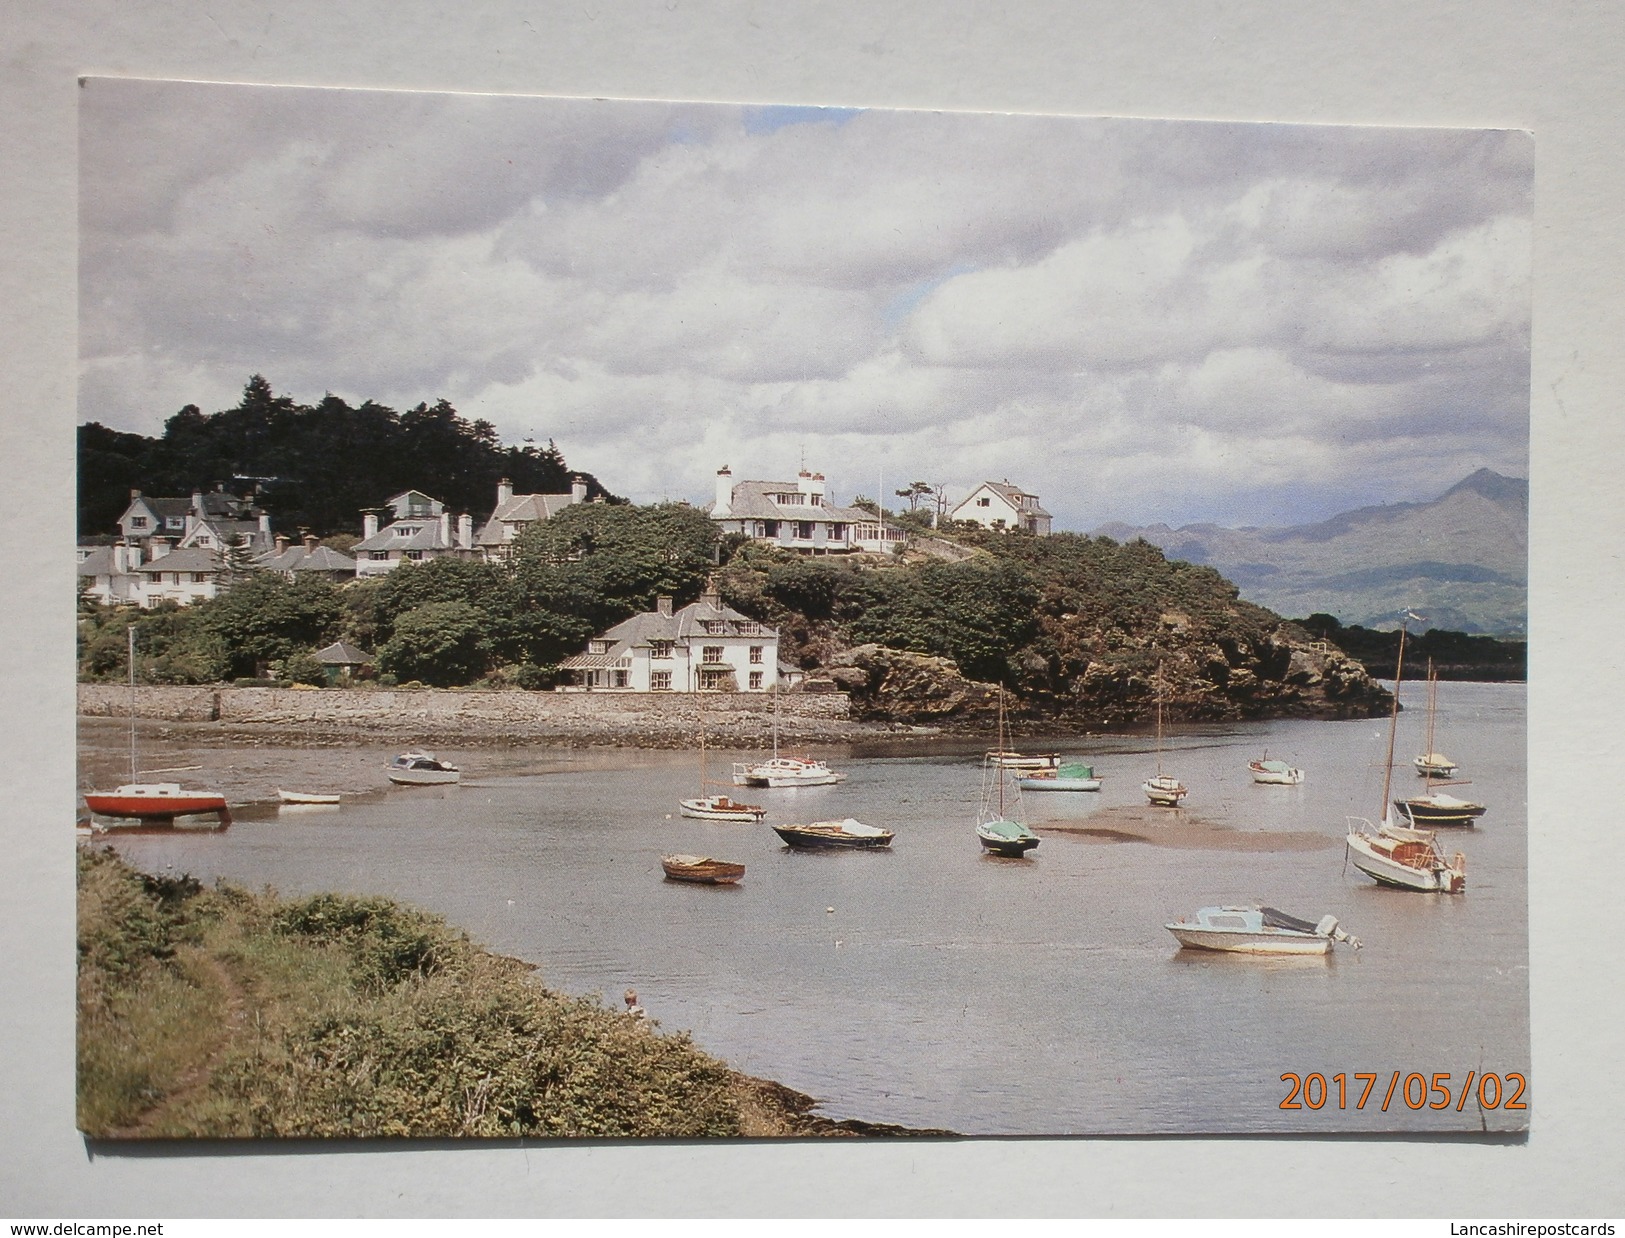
(798, 515)
(420, 530)
(306, 559)
(1001, 505)
(108, 574)
(515, 513)
(703, 647)
(180, 576)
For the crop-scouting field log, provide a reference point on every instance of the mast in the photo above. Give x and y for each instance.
(775, 718)
(130, 658)
(1159, 719)
(1393, 726)
(1433, 704)
(1000, 768)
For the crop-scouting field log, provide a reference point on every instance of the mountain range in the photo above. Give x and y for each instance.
(1460, 560)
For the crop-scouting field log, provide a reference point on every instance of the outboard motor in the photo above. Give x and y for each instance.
(1328, 928)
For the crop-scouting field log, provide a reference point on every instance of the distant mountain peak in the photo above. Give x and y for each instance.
(1493, 486)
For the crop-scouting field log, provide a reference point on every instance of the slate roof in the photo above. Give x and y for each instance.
(751, 502)
(298, 559)
(680, 625)
(521, 509)
(426, 538)
(341, 654)
(1013, 496)
(192, 559)
(226, 532)
(98, 562)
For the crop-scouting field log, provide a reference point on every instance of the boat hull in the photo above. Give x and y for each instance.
(1014, 848)
(710, 809)
(1058, 784)
(1165, 793)
(1427, 815)
(701, 870)
(811, 838)
(1276, 777)
(1267, 942)
(785, 772)
(303, 797)
(424, 777)
(1014, 760)
(154, 802)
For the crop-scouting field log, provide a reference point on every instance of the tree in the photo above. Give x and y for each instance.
(267, 618)
(237, 561)
(914, 492)
(442, 644)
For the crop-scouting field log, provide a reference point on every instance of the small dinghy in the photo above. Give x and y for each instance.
(305, 797)
(420, 769)
(848, 833)
(1258, 930)
(702, 869)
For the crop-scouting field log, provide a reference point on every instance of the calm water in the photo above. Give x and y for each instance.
(934, 986)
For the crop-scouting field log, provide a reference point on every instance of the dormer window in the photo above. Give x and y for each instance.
(138, 522)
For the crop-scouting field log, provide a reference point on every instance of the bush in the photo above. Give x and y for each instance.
(300, 668)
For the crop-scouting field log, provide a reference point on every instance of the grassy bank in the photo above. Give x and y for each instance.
(227, 1014)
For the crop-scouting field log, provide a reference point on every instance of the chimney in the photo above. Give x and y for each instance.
(504, 491)
(160, 547)
(281, 543)
(810, 484)
(121, 563)
(265, 527)
(465, 532)
(445, 529)
(711, 596)
(369, 524)
(197, 502)
(663, 607)
(725, 492)
(134, 495)
(132, 556)
(578, 489)
(310, 542)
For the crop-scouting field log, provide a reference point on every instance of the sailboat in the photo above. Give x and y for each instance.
(996, 831)
(709, 807)
(152, 801)
(782, 771)
(1164, 790)
(1435, 808)
(1395, 855)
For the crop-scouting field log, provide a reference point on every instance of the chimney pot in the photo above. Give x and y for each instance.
(578, 489)
(369, 524)
(465, 532)
(504, 491)
(663, 606)
(310, 542)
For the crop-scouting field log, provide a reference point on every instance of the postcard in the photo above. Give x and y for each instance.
(610, 619)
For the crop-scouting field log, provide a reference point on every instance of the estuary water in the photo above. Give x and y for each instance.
(934, 986)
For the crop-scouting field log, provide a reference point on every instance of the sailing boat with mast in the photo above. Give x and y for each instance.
(152, 801)
(1164, 790)
(710, 807)
(1434, 808)
(782, 771)
(996, 831)
(1395, 855)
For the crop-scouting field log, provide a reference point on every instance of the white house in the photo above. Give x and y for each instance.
(516, 512)
(108, 573)
(183, 576)
(209, 519)
(704, 647)
(421, 530)
(1000, 505)
(798, 515)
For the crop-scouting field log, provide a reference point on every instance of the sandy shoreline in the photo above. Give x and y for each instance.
(1181, 830)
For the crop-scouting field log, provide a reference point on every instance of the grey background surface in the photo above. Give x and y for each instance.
(1550, 69)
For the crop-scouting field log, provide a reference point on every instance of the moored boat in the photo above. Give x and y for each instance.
(1438, 809)
(720, 808)
(1435, 765)
(1003, 837)
(847, 833)
(305, 797)
(152, 801)
(1163, 790)
(1258, 930)
(1069, 776)
(421, 769)
(994, 828)
(700, 868)
(1275, 773)
(785, 772)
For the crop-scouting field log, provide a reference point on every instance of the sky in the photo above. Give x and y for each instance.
(1137, 320)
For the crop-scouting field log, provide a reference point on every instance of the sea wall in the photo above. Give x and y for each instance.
(432, 711)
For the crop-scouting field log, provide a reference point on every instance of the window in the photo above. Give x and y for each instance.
(199, 578)
(138, 522)
(756, 681)
(756, 653)
(660, 681)
(599, 646)
(661, 649)
(415, 555)
(402, 530)
(714, 627)
(177, 522)
(804, 530)
(378, 556)
(711, 654)
(984, 501)
(174, 577)
(748, 628)
(770, 528)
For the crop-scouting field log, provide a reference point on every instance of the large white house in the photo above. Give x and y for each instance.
(183, 576)
(704, 647)
(421, 530)
(516, 512)
(798, 515)
(1000, 505)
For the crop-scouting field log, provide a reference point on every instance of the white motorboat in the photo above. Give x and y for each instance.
(1258, 930)
(421, 769)
(783, 771)
(720, 808)
(1275, 773)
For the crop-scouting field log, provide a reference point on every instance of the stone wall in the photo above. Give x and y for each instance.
(443, 711)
